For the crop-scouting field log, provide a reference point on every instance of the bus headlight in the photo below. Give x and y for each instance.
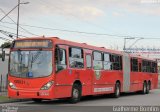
(47, 86)
(12, 86)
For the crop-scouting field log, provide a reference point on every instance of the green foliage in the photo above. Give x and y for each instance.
(6, 45)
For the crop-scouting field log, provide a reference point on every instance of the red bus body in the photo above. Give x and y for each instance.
(93, 82)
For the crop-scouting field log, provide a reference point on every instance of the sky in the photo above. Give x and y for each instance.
(121, 18)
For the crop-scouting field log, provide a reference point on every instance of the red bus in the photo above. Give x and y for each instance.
(52, 68)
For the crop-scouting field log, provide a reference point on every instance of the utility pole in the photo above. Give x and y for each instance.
(18, 18)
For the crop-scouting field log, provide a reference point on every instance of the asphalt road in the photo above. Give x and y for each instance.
(88, 104)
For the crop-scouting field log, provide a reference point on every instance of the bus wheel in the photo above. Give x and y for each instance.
(144, 91)
(37, 100)
(116, 93)
(148, 88)
(76, 94)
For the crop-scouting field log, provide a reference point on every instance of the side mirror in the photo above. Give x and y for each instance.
(3, 55)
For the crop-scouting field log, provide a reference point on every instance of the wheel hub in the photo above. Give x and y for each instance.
(75, 93)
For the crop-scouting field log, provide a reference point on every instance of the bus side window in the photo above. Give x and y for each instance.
(60, 62)
(134, 65)
(116, 61)
(147, 66)
(88, 61)
(97, 62)
(76, 57)
(154, 67)
(107, 64)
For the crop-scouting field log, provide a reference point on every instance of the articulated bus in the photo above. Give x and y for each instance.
(52, 68)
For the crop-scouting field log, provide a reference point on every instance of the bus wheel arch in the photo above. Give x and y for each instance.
(76, 92)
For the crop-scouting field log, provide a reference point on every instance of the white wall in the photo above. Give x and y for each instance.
(3, 71)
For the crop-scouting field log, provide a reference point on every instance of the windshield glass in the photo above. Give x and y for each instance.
(31, 63)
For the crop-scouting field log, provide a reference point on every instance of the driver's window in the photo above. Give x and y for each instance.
(60, 56)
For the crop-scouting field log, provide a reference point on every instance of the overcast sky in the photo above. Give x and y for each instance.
(115, 17)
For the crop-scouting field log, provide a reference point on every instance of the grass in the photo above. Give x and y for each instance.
(5, 99)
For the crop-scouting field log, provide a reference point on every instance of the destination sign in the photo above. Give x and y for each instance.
(33, 44)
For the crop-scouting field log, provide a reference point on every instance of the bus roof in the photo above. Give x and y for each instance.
(57, 40)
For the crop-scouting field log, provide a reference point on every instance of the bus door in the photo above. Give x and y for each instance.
(61, 86)
(78, 59)
(89, 72)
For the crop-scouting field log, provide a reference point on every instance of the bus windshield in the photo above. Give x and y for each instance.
(30, 64)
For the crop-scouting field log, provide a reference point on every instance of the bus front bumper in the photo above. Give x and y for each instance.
(29, 94)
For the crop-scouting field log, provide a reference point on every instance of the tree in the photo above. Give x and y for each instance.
(6, 45)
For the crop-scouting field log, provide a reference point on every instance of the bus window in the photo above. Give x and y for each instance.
(149, 66)
(146, 66)
(60, 63)
(154, 67)
(134, 65)
(116, 62)
(30, 63)
(97, 63)
(88, 61)
(76, 58)
(107, 64)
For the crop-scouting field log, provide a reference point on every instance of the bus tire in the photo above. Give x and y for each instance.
(37, 100)
(148, 88)
(76, 94)
(144, 90)
(116, 93)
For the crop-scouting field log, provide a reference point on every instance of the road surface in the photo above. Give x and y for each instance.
(88, 104)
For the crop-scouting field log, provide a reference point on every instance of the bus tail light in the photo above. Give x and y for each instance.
(47, 86)
(11, 85)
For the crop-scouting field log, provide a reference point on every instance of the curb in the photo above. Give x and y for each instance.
(12, 101)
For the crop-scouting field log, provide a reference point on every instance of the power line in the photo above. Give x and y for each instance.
(71, 31)
(10, 33)
(2, 38)
(8, 13)
(81, 32)
(16, 23)
(13, 29)
(7, 34)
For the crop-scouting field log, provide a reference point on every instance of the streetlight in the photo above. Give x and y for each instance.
(135, 42)
(18, 15)
(132, 44)
(124, 48)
